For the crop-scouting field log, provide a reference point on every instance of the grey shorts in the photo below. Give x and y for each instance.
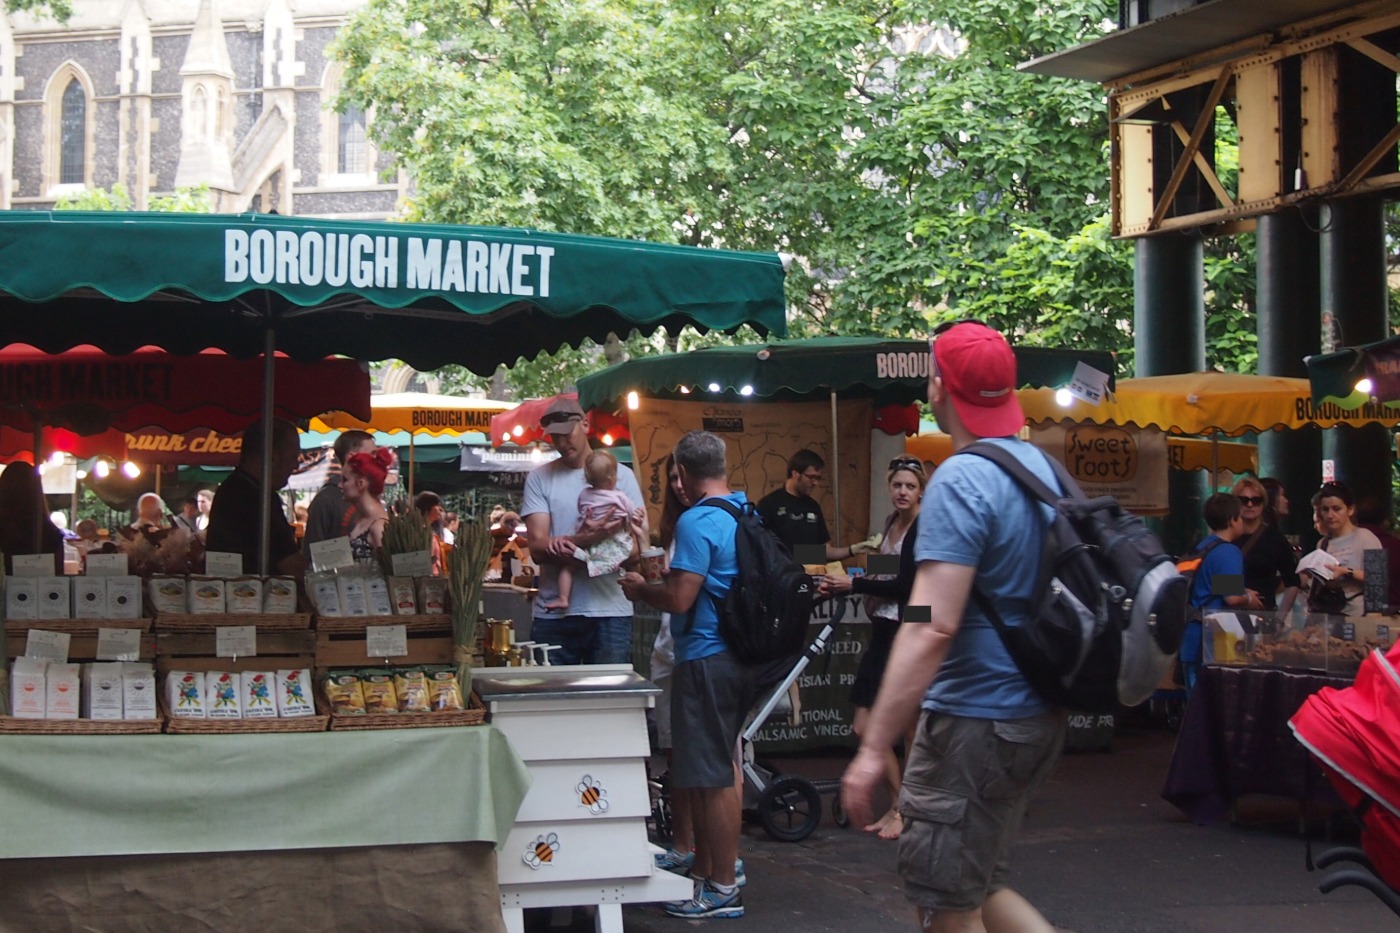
(709, 700)
(966, 785)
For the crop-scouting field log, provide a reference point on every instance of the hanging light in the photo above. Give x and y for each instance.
(518, 430)
(56, 458)
(746, 390)
(102, 468)
(1365, 386)
(685, 390)
(82, 474)
(633, 401)
(607, 440)
(714, 387)
(130, 470)
(1063, 398)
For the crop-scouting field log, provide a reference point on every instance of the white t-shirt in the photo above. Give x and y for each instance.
(553, 488)
(1349, 551)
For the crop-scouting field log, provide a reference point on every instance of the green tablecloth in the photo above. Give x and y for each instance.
(148, 794)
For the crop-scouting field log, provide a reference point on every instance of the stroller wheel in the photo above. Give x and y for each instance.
(790, 809)
(838, 812)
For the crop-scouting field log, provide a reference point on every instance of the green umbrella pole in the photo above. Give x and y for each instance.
(269, 384)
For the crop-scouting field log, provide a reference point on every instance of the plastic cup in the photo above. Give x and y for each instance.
(653, 565)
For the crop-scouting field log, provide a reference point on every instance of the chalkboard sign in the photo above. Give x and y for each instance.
(1377, 583)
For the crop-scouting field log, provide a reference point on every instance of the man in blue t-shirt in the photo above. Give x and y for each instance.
(1220, 558)
(985, 739)
(711, 691)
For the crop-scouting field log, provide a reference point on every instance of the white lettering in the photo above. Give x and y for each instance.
(235, 256)
(286, 252)
(519, 271)
(313, 259)
(545, 253)
(386, 262)
(882, 365)
(337, 259)
(452, 279)
(424, 263)
(500, 269)
(261, 249)
(361, 260)
(477, 279)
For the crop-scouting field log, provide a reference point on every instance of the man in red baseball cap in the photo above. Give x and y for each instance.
(985, 739)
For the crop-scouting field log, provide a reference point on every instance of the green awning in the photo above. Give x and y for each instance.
(1334, 376)
(425, 294)
(893, 372)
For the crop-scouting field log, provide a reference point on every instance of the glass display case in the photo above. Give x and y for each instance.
(1328, 643)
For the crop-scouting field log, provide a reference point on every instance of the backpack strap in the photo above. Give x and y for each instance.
(736, 513)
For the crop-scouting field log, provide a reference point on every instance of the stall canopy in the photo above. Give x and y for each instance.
(425, 294)
(521, 425)
(428, 295)
(1184, 453)
(1334, 377)
(417, 413)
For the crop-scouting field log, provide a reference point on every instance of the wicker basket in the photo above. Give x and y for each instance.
(206, 624)
(356, 625)
(473, 715)
(77, 627)
(177, 725)
(9, 725)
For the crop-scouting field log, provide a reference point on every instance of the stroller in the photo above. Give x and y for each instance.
(787, 806)
(1354, 733)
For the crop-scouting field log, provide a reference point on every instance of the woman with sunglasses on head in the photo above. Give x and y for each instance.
(1269, 561)
(362, 480)
(1334, 506)
(886, 596)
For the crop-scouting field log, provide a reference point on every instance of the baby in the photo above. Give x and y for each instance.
(599, 502)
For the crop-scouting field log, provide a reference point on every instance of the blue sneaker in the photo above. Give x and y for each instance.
(740, 878)
(708, 902)
(673, 861)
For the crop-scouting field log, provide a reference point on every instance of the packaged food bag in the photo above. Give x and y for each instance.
(167, 594)
(381, 694)
(123, 597)
(444, 691)
(354, 597)
(223, 695)
(432, 595)
(21, 598)
(206, 596)
(345, 694)
(412, 690)
(102, 691)
(28, 697)
(185, 695)
(244, 594)
(138, 690)
(55, 598)
(280, 596)
(325, 594)
(90, 598)
(294, 693)
(403, 594)
(377, 592)
(258, 688)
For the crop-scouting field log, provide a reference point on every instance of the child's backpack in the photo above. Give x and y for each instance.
(1188, 566)
(765, 616)
(1112, 607)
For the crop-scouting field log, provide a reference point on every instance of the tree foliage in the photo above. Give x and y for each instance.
(193, 200)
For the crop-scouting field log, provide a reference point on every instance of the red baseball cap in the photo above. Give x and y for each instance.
(978, 368)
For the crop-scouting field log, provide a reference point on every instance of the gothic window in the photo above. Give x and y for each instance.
(72, 159)
(352, 151)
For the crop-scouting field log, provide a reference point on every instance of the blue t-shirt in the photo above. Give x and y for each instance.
(975, 515)
(705, 545)
(1224, 558)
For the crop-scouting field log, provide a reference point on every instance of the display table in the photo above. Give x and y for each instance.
(581, 835)
(402, 823)
(1235, 741)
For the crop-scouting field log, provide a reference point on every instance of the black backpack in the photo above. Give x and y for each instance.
(1109, 606)
(765, 616)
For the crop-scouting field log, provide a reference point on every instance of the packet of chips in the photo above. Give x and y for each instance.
(381, 693)
(444, 691)
(344, 693)
(412, 688)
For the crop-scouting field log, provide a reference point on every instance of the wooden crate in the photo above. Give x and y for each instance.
(341, 642)
(206, 623)
(178, 651)
(82, 645)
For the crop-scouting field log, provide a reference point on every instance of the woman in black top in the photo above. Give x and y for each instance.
(885, 598)
(1269, 561)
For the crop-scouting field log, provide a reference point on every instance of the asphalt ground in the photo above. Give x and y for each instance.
(1101, 852)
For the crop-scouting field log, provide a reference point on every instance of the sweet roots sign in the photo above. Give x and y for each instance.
(1129, 464)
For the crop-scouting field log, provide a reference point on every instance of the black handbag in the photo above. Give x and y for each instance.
(1326, 599)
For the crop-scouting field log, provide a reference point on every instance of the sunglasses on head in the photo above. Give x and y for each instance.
(907, 463)
(558, 417)
(1251, 500)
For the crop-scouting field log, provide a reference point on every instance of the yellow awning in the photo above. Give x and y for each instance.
(1186, 453)
(418, 413)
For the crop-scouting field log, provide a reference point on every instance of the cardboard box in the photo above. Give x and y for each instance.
(102, 691)
(21, 598)
(138, 691)
(63, 691)
(55, 598)
(28, 693)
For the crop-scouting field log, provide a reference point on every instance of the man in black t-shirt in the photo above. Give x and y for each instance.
(234, 519)
(792, 513)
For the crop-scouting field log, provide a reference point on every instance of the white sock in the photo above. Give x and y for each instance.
(725, 889)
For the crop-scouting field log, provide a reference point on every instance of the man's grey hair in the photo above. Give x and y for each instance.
(704, 455)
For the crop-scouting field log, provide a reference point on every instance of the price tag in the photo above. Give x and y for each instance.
(47, 646)
(33, 565)
(331, 554)
(386, 641)
(1088, 384)
(118, 644)
(236, 641)
(413, 564)
(226, 564)
(105, 565)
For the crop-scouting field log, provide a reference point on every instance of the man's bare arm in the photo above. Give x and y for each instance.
(675, 594)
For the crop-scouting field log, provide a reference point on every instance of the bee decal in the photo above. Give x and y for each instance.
(592, 795)
(541, 851)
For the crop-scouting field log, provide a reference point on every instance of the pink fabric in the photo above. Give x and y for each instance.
(603, 504)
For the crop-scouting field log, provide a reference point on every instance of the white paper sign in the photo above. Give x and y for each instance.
(118, 644)
(106, 565)
(386, 641)
(331, 554)
(33, 565)
(224, 564)
(1088, 384)
(236, 641)
(413, 564)
(1329, 475)
(47, 646)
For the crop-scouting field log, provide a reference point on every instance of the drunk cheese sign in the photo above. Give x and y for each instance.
(1129, 464)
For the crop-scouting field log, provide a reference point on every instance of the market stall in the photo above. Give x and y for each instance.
(254, 285)
(851, 399)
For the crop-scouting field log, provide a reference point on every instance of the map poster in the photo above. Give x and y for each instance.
(1128, 464)
(762, 436)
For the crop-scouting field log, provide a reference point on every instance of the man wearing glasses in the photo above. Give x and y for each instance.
(596, 627)
(793, 514)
